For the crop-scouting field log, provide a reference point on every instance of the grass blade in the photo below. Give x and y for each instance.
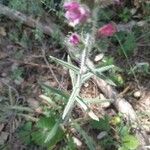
(88, 140)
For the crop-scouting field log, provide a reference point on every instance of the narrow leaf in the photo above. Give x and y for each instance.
(88, 140)
(65, 64)
(72, 73)
(52, 133)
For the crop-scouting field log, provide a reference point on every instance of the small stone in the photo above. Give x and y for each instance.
(77, 141)
(102, 135)
(3, 74)
(99, 57)
(137, 94)
(86, 85)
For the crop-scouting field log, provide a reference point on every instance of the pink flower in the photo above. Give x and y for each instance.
(75, 13)
(71, 5)
(107, 30)
(74, 39)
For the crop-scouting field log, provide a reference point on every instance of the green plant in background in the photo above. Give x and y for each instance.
(128, 141)
(38, 34)
(31, 7)
(25, 133)
(125, 15)
(17, 74)
(48, 132)
(128, 43)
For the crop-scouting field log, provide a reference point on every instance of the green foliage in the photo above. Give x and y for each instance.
(128, 43)
(128, 141)
(28, 6)
(102, 124)
(25, 133)
(38, 35)
(52, 5)
(70, 145)
(88, 140)
(17, 73)
(125, 15)
(104, 15)
(108, 142)
(102, 45)
(48, 132)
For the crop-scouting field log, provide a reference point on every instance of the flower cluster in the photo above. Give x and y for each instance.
(76, 14)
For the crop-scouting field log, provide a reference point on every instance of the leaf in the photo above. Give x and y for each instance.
(96, 71)
(54, 90)
(65, 64)
(72, 73)
(48, 132)
(100, 70)
(48, 99)
(130, 142)
(84, 106)
(93, 116)
(103, 69)
(52, 133)
(88, 140)
(71, 101)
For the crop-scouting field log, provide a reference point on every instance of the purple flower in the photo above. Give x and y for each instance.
(71, 5)
(74, 39)
(75, 13)
(107, 30)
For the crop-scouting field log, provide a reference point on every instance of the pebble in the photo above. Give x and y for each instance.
(99, 57)
(86, 85)
(77, 141)
(137, 94)
(102, 135)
